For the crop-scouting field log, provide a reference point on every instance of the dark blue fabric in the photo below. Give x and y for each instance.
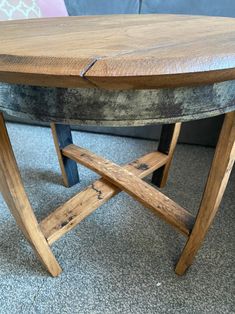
(196, 7)
(93, 7)
(199, 7)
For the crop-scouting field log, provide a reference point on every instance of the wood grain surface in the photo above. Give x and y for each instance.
(118, 51)
(147, 195)
(68, 215)
(13, 192)
(219, 174)
(167, 144)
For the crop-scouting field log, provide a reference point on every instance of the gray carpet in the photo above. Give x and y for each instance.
(121, 258)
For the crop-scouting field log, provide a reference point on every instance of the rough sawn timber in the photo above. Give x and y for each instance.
(147, 195)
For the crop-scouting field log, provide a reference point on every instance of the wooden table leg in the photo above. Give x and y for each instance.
(63, 137)
(167, 145)
(12, 189)
(218, 177)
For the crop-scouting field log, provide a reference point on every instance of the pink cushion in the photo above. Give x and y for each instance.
(52, 8)
(25, 9)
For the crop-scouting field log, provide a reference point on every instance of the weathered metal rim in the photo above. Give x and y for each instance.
(119, 123)
(97, 107)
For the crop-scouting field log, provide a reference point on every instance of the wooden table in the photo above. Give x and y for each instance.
(128, 70)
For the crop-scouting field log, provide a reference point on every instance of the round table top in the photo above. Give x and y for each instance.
(118, 51)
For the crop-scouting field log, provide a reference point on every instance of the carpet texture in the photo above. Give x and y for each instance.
(121, 258)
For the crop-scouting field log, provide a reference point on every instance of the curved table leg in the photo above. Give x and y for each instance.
(168, 140)
(218, 177)
(12, 189)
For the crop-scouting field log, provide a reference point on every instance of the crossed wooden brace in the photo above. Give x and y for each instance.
(115, 179)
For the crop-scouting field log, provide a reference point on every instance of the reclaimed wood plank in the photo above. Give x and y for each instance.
(68, 215)
(118, 51)
(216, 184)
(168, 140)
(147, 195)
(14, 194)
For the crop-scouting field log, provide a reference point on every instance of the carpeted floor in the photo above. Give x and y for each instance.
(121, 258)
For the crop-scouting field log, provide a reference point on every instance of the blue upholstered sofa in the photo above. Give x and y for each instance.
(197, 7)
(199, 132)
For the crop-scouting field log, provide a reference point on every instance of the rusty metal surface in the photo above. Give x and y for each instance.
(117, 108)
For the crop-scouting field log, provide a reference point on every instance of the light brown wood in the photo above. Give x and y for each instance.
(172, 147)
(118, 52)
(67, 216)
(168, 141)
(12, 189)
(217, 181)
(134, 186)
(121, 52)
